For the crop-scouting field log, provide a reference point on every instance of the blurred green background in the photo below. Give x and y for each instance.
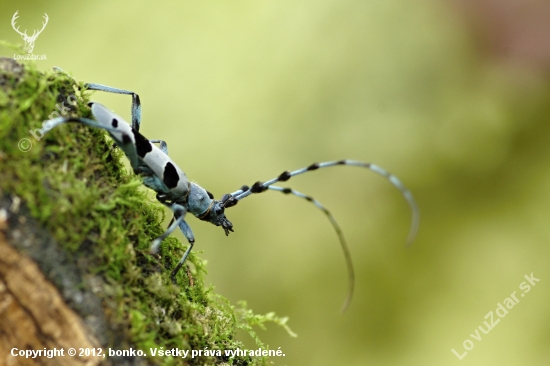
(452, 97)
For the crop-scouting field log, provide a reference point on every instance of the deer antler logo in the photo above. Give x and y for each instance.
(29, 40)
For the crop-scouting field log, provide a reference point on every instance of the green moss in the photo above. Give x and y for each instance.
(75, 185)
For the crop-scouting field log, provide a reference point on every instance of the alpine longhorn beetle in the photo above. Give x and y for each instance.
(162, 175)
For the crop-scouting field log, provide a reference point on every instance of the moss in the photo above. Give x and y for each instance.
(74, 183)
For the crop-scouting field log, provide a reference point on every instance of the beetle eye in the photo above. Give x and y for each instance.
(219, 210)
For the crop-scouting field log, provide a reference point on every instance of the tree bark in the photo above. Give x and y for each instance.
(34, 316)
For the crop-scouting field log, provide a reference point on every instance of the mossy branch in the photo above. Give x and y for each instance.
(68, 203)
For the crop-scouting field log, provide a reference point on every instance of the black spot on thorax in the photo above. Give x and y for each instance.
(171, 176)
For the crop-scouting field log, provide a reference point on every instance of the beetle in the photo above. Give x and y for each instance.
(161, 174)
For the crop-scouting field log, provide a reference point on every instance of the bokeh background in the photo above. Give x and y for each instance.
(451, 96)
